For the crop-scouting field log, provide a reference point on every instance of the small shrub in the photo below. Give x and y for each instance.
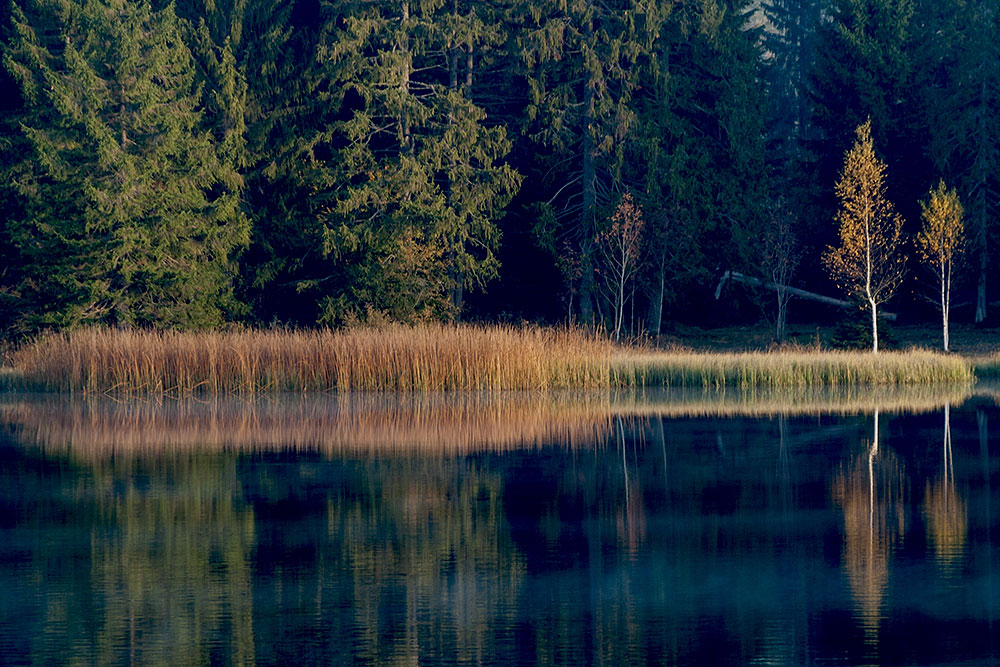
(855, 333)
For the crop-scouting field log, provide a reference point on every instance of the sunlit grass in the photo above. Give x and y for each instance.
(987, 367)
(435, 358)
(787, 369)
(394, 358)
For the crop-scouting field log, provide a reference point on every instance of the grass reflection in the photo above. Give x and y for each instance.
(432, 424)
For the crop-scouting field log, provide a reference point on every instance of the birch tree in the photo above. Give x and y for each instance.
(868, 263)
(940, 241)
(779, 261)
(620, 246)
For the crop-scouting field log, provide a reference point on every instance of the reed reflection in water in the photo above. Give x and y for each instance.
(387, 424)
(604, 529)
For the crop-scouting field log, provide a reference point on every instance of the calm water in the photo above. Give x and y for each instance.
(513, 530)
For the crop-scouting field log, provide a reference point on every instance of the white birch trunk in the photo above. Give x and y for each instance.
(945, 289)
(871, 302)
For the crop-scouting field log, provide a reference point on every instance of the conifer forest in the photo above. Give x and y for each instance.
(631, 164)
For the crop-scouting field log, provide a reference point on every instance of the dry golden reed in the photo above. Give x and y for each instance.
(745, 370)
(434, 357)
(393, 358)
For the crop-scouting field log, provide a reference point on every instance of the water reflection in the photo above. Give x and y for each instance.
(461, 568)
(870, 490)
(336, 425)
(173, 543)
(497, 529)
(439, 424)
(945, 509)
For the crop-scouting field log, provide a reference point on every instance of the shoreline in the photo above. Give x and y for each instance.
(435, 357)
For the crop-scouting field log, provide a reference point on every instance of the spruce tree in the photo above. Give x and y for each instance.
(130, 217)
(417, 174)
(868, 66)
(697, 151)
(964, 55)
(580, 57)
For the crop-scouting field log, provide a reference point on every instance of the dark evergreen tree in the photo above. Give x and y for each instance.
(129, 214)
(265, 98)
(867, 66)
(963, 58)
(417, 174)
(580, 57)
(789, 30)
(12, 144)
(697, 152)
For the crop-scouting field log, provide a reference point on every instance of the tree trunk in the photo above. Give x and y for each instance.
(453, 52)
(589, 173)
(404, 79)
(455, 275)
(654, 321)
(779, 332)
(620, 314)
(468, 69)
(981, 188)
(981, 282)
(871, 303)
(945, 288)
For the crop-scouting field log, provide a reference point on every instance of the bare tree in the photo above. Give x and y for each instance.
(780, 255)
(619, 248)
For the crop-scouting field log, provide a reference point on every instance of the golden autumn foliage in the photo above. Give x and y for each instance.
(940, 241)
(868, 263)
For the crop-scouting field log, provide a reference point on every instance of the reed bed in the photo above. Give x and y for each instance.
(394, 358)
(788, 369)
(434, 358)
(987, 367)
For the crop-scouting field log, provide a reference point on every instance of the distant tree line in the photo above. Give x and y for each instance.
(301, 162)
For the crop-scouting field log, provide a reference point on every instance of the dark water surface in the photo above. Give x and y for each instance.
(513, 530)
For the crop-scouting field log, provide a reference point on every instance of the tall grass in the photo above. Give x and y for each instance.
(394, 358)
(787, 369)
(987, 367)
(433, 358)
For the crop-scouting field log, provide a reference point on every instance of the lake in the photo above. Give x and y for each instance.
(666, 528)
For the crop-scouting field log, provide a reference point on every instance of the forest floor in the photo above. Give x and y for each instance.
(966, 339)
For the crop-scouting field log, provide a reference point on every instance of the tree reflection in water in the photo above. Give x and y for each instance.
(945, 510)
(870, 491)
(418, 529)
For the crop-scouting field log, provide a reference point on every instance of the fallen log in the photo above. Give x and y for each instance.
(738, 277)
